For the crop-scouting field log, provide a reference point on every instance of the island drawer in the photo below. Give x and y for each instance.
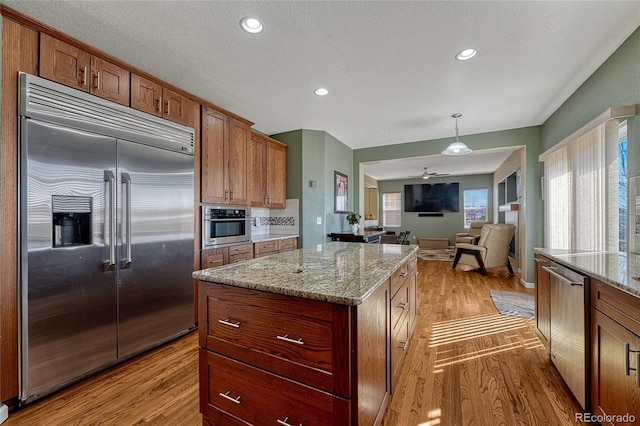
(303, 339)
(400, 303)
(259, 397)
(399, 275)
(400, 341)
(617, 304)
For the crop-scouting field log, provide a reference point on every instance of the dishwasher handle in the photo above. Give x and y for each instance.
(552, 270)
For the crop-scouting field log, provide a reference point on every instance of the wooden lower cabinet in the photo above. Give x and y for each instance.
(273, 359)
(266, 248)
(615, 355)
(542, 300)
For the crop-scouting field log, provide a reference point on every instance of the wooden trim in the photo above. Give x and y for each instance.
(43, 28)
(19, 53)
(610, 114)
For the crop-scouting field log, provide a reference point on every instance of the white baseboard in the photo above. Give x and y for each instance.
(526, 284)
(4, 412)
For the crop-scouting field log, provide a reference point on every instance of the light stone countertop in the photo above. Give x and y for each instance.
(618, 269)
(336, 272)
(271, 236)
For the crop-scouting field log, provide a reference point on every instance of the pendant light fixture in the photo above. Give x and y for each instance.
(456, 148)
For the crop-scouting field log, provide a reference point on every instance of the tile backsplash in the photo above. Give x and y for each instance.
(276, 221)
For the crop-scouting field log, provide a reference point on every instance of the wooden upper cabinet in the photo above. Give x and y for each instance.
(109, 81)
(214, 142)
(276, 175)
(146, 95)
(257, 171)
(64, 63)
(239, 136)
(268, 172)
(175, 106)
(153, 98)
(76, 68)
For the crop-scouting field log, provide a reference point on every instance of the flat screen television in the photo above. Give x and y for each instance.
(432, 197)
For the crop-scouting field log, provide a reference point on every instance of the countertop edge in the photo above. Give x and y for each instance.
(564, 259)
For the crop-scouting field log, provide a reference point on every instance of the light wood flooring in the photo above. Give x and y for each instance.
(466, 365)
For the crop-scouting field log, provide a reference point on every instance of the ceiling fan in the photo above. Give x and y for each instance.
(427, 174)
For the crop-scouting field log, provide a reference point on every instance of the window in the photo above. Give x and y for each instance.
(623, 194)
(475, 205)
(583, 194)
(391, 208)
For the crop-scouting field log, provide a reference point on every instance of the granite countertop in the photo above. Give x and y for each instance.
(619, 269)
(268, 237)
(336, 272)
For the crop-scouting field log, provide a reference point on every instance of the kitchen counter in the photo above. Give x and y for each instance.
(336, 272)
(270, 237)
(619, 269)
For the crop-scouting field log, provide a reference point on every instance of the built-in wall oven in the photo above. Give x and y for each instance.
(225, 224)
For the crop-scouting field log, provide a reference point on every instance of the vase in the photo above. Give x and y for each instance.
(354, 228)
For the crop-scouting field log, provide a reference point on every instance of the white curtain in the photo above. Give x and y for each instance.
(578, 181)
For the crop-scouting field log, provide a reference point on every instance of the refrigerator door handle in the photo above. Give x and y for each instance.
(110, 178)
(126, 186)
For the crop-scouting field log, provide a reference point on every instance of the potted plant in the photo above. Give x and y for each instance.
(353, 219)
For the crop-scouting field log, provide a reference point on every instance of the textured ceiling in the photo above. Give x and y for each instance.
(389, 65)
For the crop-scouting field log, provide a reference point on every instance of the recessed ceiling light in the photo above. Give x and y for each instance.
(251, 25)
(321, 91)
(466, 54)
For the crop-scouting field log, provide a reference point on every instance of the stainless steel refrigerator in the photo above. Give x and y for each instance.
(106, 220)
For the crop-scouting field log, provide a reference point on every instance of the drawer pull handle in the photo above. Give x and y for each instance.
(234, 324)
(628, 351)
(403, 274)
(286, 338)
(403, 345)
(285, 422)
(229, 397)
(402, 305)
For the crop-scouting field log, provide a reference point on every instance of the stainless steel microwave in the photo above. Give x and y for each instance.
(225, 224)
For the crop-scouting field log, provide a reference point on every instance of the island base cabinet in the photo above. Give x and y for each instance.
(234, 390)
(615, 381)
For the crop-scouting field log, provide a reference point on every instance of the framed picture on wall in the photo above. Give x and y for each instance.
(341, 182)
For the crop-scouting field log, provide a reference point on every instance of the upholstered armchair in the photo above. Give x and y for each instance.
(491, 251)
(473, 235)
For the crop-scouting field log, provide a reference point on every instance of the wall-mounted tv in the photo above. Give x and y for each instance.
(432, 197)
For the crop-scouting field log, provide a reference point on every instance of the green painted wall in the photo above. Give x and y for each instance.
(450, 223)
(313, 156)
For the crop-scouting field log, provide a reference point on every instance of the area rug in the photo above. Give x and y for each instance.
(436, 254)
(513, 303)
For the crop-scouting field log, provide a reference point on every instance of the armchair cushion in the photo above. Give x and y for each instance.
(475, 229)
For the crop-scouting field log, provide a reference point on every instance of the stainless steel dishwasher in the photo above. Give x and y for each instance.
(569, 328)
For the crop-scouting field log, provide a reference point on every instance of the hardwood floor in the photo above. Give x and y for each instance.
(469, 365)
(466, 365)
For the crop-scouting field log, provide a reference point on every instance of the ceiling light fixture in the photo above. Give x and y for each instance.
(456, 148)
(321, 91)
(251, 25)
(466, 54)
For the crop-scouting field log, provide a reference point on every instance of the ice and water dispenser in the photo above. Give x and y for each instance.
(71, 220)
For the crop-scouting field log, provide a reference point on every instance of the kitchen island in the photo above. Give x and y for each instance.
(311, 336)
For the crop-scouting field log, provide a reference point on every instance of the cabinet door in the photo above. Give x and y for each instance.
(276, 175)
(175, 106)
(146, 95)
(109, 81)
(214, 159)
(239, 136)
(257, 171)
(614, 374)
(543, 300)
(64, 63)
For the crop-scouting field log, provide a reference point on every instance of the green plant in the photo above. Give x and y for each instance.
(353, 218)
